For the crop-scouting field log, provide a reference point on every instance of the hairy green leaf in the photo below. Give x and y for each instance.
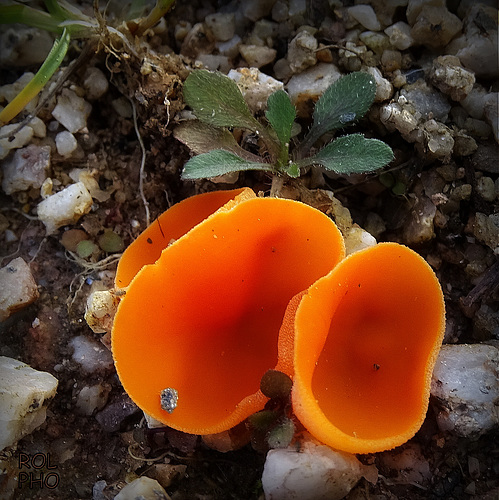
(203, 138)
(352, 154)
(217, 100)
(344, 102)
(281, 115)
(293, 170)
(218, 162)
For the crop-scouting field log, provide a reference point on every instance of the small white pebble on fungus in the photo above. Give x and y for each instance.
(26, 169)
(143, 488)
(24, 393)
(255, 86)
(95, 83)
(365, 15)
(71, 111)
(451, 78)
(64, 207)
(315, 472)
(17, 287)
(465, 387)
(66, 143)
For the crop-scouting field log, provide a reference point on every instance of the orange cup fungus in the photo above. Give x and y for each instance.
(170, 226)
(367, 336)
(199, 326)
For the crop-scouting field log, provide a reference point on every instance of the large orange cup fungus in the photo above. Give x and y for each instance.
(170, 226)
(202, 322)
(367, 336)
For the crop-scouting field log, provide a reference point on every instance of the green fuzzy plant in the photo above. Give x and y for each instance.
(219, 106)
(68, 21)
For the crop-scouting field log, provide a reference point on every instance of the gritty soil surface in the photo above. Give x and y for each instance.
(97, 454)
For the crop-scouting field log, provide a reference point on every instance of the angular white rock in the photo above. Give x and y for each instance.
(23, 396)
(316, 472)
(95, 83)
(255, 86)
(12, 140)
(100, 310)
(357, 239)
(400, 35)
(466, 384)
(365, 15)
(71, 111)
(143, 488)
(26, 169)
(17, 287)
(92, 356)
(64, 207)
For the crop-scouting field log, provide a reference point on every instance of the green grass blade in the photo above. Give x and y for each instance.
(10, 14)
(33, 88)
(159, 10)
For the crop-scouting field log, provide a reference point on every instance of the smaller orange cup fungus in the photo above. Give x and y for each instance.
(170, 226)
(367, 336)
(199, 327)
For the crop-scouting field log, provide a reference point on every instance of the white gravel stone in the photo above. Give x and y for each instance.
(9, 140)
(466, 385)
(301, 51)
(310, 85)
(95, 83)
(23, 397)
(92, 356)
(451, 78)
(255, 86)
(17, 287)
(365, 15)
(400, 35)
(143, 488)
(64, 207)
(426, 100)
(66, 143)
(257, 56)
(26, 169)
(477, 100)
(71, 111)
(357, 239)
(92, 398)
(384, 89)
(316, 472)
(223, 26)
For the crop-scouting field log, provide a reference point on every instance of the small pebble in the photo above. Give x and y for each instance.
(92, 398)
(71, 111)
(301, 51)
(465, 381)
(486, 230)
(255, 86)
(400, 35)
(365, 15)
(17, 287)
(92, 356)
(9, 141)
(65, 143)
(64, 207)
(95, 83)
(23, 396)
(451, 78)
(257, 56)
(26, 169)
(486, 189)
(423, 30)
(222, 26)
(143, 488)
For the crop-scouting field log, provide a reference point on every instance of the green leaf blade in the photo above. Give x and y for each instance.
(218, 162)
(281, 115)
(352, 154)
(216, 99)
